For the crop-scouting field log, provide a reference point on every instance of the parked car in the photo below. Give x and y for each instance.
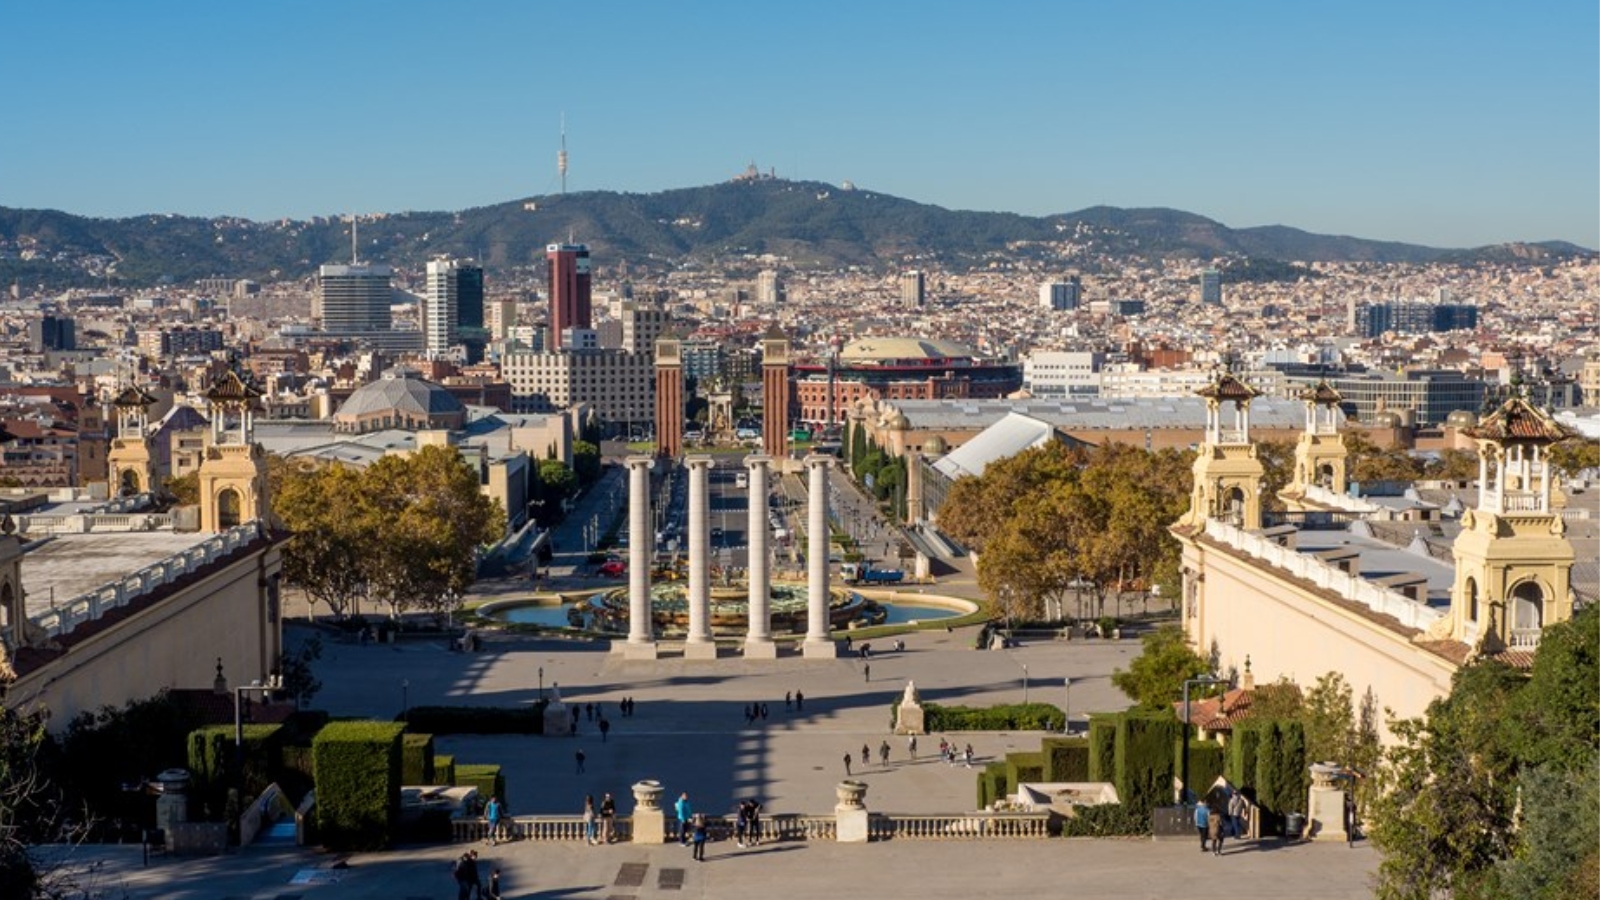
(614, 568)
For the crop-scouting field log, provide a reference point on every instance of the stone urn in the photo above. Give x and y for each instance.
(1323, 774)
(851, 793)
(647, 794)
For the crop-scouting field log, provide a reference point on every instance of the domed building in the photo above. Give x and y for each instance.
(400, 399)
(897, 368)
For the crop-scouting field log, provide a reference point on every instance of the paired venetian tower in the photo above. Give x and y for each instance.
(1513, 562)
(698, 641)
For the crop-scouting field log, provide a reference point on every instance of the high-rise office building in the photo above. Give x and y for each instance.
(453, 307)
(913, 289)
(352, 299)
(48, 333)
(569, 289)
(1211, 287)
(769, 289)
(1061, 295)
(1415, 317)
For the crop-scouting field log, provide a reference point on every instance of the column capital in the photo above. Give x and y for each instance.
(699, 462)
(635, 462)
(757, 461)
(813, 460)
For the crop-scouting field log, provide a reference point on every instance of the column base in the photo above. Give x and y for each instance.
(760, 649)
(819, 649)
(699, 650)
(640, 650)
(649, 826)
(850, 826)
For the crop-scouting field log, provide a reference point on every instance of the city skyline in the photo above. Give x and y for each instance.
(1449, 126)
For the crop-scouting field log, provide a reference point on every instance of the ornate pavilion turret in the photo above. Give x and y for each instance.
(1320, 459)
(1513, 559)
(130, 465)
(1227, 474)
(233, 477)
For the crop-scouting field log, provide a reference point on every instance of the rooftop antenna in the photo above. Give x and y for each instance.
(561, 155)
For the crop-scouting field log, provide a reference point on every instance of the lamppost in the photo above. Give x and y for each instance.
(405, 697)
(1024, 683)
(1206, 680)
(541, 683)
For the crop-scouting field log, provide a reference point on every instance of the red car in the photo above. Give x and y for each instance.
(613, 568)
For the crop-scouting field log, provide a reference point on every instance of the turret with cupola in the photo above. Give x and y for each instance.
(1227, 473)
(1321, 462)
(233, 477)
(130, 463)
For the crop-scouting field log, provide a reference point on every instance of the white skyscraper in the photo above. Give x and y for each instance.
(441, 306)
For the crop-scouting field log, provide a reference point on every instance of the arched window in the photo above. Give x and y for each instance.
(1527, 607)
(1472, 600)
(229, 508)
(1325, 477)
(1235, 507)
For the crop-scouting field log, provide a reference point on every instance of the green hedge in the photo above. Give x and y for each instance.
(296, 772)
(488, 779)
(1205, 764)
(992, 784)
(357, 766)
(476, 719)
(1010, 717)
(1242, 749)
(444, 769)
(1104, 820)
(416, 759)
(211, 755)
(1065, 759)
(1024, 766)
(1281, 780)
(1144, 768)
(1102, 748)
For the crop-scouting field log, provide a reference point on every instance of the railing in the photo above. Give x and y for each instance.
(85, 523)
(959, 826)
(1525, 638)
(1521, 501)
(1407, 611)
(784, 827)
(88, 607)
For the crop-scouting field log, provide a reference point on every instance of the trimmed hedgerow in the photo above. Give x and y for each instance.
(1025, 766)
(444, 769)
(357, 767)
(487, 778)
(416, 759)
(1009, 717)
(1144, 760)
(1104, 820)
(1102, 748)
(475, 719)
(1065, 759)
(1205, 765)
(1242, 750)
(1270, 777)
(992, 784)
(211, 761)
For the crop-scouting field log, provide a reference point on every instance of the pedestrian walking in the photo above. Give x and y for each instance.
(799, 701)
(944, 747)
(1214, 823)
(591, 824)
(574, 721)
(605, 729)
(458, 871)
(588, 712)
(1202, 825)
(911, 746)
(741, 822)
(580, 758)
(1236, 810)
(608, 814)
(685, 814)
(1350, 820)
(788, 700)
(494, 886)
(763, 712)
(866, 755)
(866, 670)
(883, 753)
(754, 837)
(701, 833)
(968, 755)
(492, 813)
(474, 879)
(847, 765)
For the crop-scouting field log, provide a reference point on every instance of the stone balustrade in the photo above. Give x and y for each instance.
(786, 827)
(88, 607)
(1327, 576)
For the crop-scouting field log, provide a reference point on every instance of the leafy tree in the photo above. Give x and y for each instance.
(326, 511)
(300, 681)
(1369, 463)
(1453, 465)
(1330, 720)
(586, 462)
(1575, 455)
(1556, 718)
(556, 483)
(976, 508)
(1277, 462)
(184, 489)
(1155, 678)
(1559, 851)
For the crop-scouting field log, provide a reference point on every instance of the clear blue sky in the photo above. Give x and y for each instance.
(1444, 123)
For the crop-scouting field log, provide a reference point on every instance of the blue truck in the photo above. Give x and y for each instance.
(864, 573)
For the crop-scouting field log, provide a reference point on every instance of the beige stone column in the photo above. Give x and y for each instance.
(641, 629)
(698, 643)
(758, 639)
(817, 642)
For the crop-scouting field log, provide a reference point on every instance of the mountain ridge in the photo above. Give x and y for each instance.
(812, 225)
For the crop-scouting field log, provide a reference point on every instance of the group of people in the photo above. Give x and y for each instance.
(694, 830)
(599, 821)
(1218, 818)
(948, 752)
(952, 754)
(469, 883)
